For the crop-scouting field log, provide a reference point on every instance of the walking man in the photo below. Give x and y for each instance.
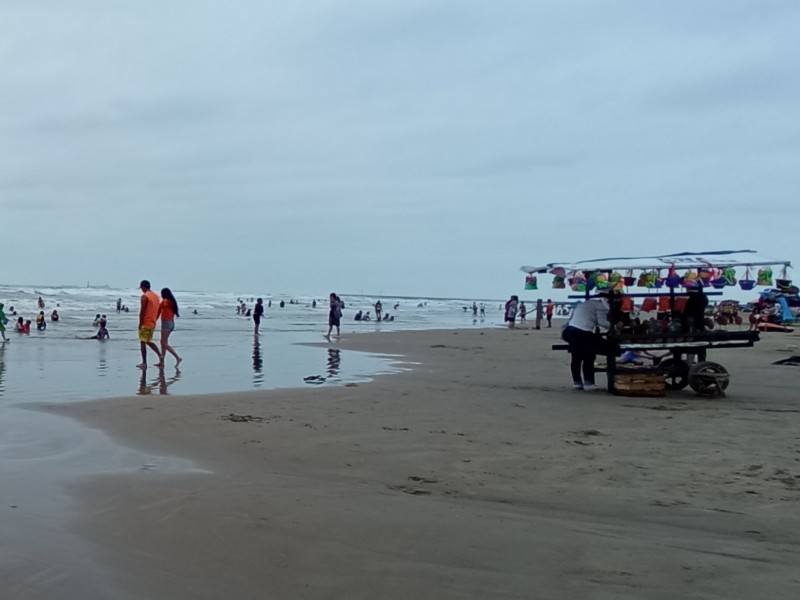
(148, 314)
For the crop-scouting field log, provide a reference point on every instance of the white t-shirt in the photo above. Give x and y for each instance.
(591, 314)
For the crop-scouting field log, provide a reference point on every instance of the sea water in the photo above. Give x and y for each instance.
(42, 454)
(219, 350)
(220, 354)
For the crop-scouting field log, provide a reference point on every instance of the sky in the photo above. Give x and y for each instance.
(419, 148)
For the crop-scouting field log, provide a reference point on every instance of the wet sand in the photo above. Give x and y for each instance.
(478, 473)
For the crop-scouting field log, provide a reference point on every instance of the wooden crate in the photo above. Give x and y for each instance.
(639, 384)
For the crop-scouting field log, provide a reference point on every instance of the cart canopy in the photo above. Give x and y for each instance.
(718, 259)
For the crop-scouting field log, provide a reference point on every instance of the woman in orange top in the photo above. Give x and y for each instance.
(168, 310)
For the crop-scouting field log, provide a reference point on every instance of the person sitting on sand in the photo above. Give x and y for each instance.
(101, 335)
(359, 316)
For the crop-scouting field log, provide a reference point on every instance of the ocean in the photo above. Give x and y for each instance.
(219, 351)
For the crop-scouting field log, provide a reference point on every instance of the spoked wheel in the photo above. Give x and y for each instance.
(676, 373)
(707, 378)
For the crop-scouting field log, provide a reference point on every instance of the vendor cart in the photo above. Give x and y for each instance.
(687, 364)
(664, 288)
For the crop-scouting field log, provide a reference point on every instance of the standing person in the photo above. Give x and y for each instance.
(3, 321)
(378, 310)
(588, 318)
(148, 315)
(119, 304)
(522, 312)
(258, 312)
(334, 314)
(168, 311)
(694, 311)
(548, 312)
(41, 325)
(40, 303)
(511, 311)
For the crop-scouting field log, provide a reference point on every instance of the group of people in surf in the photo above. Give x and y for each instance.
(23, 325)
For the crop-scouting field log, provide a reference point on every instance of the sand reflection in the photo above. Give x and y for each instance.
(159, 381)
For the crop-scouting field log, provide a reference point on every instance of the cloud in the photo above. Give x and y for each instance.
(423, 147)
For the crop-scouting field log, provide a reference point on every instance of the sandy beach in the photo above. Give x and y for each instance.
(476, 473)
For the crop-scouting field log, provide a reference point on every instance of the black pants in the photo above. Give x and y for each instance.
(583, 348)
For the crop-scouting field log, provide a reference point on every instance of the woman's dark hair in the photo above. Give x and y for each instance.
(166, 293)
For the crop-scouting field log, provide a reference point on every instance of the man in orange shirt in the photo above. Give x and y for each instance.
(148, 314)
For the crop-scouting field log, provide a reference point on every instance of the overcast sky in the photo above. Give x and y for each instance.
(422, 147)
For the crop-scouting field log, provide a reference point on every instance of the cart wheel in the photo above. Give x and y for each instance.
(676, 373)
(703, 384)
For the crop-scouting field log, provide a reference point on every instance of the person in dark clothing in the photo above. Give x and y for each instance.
(258, 312)
(334, 314)
(694, 312)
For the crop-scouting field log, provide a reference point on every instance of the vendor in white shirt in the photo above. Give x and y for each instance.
(587, 319)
